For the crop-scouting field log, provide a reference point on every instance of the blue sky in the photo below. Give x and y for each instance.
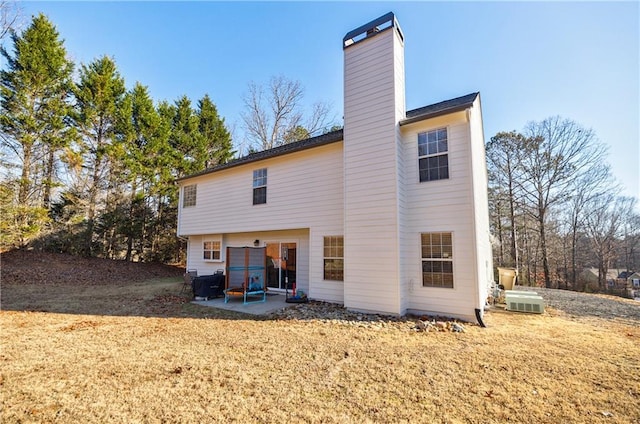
(579, 60)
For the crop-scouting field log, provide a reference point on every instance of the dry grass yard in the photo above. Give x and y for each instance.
(92, 348)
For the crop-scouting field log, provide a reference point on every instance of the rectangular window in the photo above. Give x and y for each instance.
(437, 260)
(189, 196)
(211, 250)
(433, 157)
(334, 258)
(260, 186)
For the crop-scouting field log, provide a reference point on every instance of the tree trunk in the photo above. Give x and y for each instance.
(500, 236)
(25, 177)
(545, 260)
(155, 232)
(512, 217)
(602, 276)
(48, 181)
(132, 207)
(93, 194)
(574, 247)
(129, 247)
(543, 244)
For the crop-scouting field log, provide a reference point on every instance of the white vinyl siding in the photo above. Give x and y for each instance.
(374, 103)
(482, 242)
(305, 194)
(442, 206)
(305, 191)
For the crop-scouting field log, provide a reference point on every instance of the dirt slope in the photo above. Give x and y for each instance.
(28, 266)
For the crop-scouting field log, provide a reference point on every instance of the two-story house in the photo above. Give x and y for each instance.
(388, 215)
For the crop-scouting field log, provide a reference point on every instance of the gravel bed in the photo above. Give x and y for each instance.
(574, 304)
(336, 314)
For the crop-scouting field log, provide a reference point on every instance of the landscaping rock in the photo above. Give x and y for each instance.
(332, 313)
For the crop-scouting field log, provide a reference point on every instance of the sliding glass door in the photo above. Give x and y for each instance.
(281, 264)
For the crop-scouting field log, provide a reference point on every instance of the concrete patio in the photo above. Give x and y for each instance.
(273, 303)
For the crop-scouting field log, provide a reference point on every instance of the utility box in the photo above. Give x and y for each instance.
(507, 277)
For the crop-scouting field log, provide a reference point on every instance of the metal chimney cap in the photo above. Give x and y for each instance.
(371, 29)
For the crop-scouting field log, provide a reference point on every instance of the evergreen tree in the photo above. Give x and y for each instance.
(185, 139)
(138, 126)
(35, 92)
(503, 167)
(35, 103)
(214, 134)
(99, 94)
(296, 133)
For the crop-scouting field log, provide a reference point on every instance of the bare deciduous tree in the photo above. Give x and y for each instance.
(274, 114)
(557, 152)
(594, 182)
(10, 15)
(605, 227)
(630, 248)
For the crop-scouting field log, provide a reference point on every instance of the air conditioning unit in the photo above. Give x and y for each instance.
(524, 303)
(520, 292)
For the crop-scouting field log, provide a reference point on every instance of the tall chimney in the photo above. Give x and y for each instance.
(374, 103)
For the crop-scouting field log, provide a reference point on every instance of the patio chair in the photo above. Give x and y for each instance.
(254, 286)
(187, 282)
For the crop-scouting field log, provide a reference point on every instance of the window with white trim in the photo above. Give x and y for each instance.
(433, 157)
(189, 195)
(437, 260)
(211, 250)
(260, 186)
(334, 258)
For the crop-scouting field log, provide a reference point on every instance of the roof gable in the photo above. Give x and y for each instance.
(441, 108)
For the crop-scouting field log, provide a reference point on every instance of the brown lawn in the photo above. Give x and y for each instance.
(127, 349)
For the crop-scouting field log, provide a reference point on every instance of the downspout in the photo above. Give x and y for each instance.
(479, 318)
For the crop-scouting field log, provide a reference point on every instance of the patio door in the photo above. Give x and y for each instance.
(281, 264)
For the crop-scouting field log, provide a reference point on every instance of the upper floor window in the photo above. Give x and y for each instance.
(437, 260)
(211, 250)
(189, 195)
(433, 157)
(260, 186)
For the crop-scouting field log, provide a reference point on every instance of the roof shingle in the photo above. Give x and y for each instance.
(441, 108)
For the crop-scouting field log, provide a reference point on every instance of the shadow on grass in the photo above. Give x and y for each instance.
(161, 298)
(158, 298)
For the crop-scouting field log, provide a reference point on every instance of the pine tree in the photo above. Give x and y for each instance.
(215, 136)
(138, 127)
(35, 91)
(35, 98)
(99, 94)
(185, 139)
